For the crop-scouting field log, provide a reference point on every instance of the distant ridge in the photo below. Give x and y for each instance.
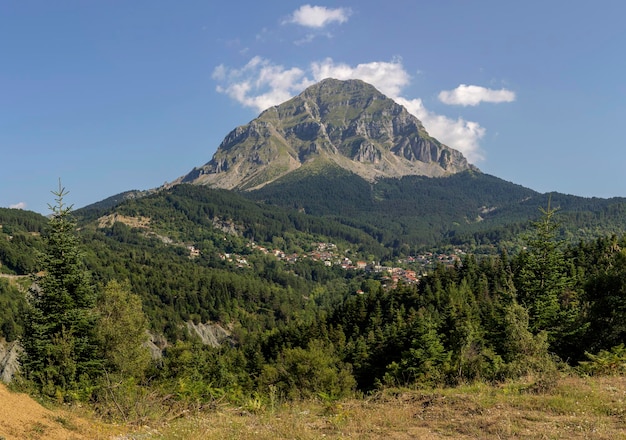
(349, 124)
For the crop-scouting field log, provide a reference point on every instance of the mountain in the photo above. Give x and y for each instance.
(348, 124)
(343, 151)
(358, 166)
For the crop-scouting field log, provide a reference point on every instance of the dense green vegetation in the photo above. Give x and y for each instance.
(192, 213)
(11, 302)
(19, 241)
(300, 327)
(468, 208)
(262, 294)
(489, 319)
(19, 244)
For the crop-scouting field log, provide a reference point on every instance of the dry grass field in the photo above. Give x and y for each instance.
(575, 408)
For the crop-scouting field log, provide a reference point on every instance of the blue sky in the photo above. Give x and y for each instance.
(117, 95)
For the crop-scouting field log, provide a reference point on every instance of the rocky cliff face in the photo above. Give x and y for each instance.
(348, 123)
(9, 364)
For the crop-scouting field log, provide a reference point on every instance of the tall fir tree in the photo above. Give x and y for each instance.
(60, 351)
(545, 286)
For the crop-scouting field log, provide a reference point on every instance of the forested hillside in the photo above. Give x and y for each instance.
(20, 232)
(301, 318)
(20, 242)
(232, 278)
(469, 208)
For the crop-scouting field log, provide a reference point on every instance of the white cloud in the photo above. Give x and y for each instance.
(457, 133)
(473, 95)
(308, 38)
(318, 16)
(20, 205)
(261, 84)
(388, 77)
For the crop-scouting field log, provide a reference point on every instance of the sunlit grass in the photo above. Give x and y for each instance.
(576, 408)
(573, 408)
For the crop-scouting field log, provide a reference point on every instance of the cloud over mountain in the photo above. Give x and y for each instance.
(260, 84)
(458, 133)
(388, 77)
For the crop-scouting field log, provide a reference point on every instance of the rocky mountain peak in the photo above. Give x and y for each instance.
(347, 123)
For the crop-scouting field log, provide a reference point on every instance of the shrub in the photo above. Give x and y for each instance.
(606, 363)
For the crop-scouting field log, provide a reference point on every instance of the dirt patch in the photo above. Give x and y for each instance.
(134, 222)
(13, 277)
(22, 418)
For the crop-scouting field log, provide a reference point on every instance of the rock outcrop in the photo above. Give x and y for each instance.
(210, 334)
(9, 365)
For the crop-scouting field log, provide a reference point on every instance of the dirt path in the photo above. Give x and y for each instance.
(13, 277)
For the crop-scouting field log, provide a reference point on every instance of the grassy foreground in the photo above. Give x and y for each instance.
(575, 408)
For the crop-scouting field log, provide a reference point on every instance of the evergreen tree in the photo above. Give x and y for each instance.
(60, 350)
(606, 297)
(426, 361)
(523, 352)
(542, 273)
(544, 284)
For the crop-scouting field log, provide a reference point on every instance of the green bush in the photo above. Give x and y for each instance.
(309, 372)
(606, 363)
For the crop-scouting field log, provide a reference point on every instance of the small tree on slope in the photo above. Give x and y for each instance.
(60, 349)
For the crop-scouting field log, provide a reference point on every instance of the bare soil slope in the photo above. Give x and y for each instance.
(23, 418)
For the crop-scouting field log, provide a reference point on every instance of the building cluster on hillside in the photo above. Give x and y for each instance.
(397, 274)
(238, 260)
(430, 259)
(410, 271)
(193, 251)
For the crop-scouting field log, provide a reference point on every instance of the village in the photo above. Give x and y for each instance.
(409, 270)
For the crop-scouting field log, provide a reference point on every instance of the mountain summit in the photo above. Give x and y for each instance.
(349, 124)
